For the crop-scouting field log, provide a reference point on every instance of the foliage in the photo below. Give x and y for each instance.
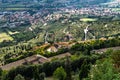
(104, 71)
(84, 70)
(68, 68)
(25, 36)
(37, 75)
(60, 73)
(42, 76)
(19, 77)
(23, 55)
(1, 71)
(116, 58)
(95, 44)
(60, 51)
(40, 51)
(76, 63)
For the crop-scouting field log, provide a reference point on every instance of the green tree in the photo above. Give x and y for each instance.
(104, 71)
(84, 70)
(36, 73)
(19, 77)
(4, 77)
(68, 69)
(42, 76)
(116, 58)
(1, 73)
(60, 73)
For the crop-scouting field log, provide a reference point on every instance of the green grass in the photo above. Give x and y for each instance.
(4, 36)
(88, 19)
(11, 33)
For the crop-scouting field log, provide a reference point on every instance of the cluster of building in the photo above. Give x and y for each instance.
(18, 18)
(15, 19)
(97, 11)
(93, 11)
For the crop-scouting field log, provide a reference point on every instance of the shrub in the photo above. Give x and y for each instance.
(60, 73)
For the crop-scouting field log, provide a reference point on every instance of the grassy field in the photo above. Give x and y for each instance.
(11, 33)
(88, 19)
(4, 36)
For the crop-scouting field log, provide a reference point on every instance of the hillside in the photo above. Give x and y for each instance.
(65, 28)
(59, 39)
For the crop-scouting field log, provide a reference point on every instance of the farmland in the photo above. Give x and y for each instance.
(4, 36)
(88, 19)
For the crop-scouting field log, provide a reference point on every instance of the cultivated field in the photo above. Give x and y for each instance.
(88, 19)
(4, 36)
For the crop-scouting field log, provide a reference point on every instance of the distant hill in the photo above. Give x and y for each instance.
(60, 1)
(113, 3)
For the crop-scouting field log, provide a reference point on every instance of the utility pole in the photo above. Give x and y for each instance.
(85, 31)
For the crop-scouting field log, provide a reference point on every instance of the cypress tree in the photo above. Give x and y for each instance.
(84, 70)
(68, 68)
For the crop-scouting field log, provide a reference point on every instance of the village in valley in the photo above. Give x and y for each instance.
(19, 18)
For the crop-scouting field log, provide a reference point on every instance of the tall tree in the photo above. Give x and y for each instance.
(68, 68)
(0, 73)
(36, 73)
(84, 70)
(60, 73)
